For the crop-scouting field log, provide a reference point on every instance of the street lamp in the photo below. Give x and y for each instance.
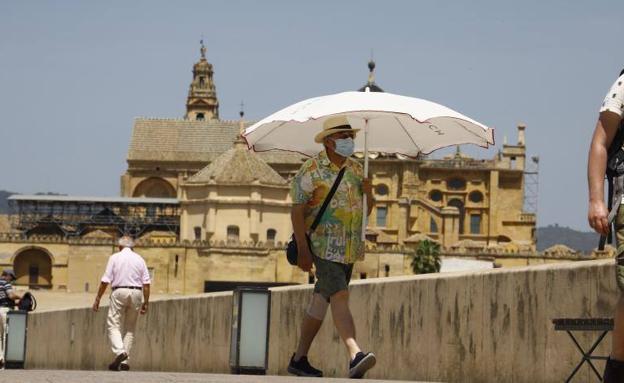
(249, 344)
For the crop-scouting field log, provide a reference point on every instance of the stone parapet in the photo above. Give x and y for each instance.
(485, 326)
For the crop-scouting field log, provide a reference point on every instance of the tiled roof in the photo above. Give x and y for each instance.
(190, 141)
(238, 166)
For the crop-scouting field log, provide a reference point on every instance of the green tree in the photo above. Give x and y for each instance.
(426, 259)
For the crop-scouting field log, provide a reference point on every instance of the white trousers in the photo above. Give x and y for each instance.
(3, 319)
(123, 312)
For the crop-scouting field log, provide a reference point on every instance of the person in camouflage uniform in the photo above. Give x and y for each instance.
(607, 126)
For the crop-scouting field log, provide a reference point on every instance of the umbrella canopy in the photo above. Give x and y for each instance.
(395, 124)
(391, 124)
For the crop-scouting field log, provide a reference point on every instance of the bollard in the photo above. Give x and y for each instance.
(249, 342)
(15, 341)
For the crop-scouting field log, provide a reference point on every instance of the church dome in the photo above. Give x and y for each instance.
(238, 166)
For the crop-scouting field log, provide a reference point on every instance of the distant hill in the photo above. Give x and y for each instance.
(584, 241)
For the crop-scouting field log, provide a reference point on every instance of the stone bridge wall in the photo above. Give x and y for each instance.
(487, 326)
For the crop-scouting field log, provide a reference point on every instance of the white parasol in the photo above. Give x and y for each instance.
(391, 124)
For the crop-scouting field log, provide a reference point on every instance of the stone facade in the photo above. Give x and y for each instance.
(76, 265)
(238, 196)
(190, 267)
(451, 199)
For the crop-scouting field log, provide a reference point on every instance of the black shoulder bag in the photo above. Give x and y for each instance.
(291, 249)
(28, 302)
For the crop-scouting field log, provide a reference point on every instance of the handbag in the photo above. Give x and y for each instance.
(291, 248)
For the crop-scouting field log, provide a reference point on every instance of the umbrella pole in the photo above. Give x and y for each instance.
(365, 204)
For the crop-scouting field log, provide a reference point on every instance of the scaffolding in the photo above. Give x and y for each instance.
(531, 186)
(75, 216)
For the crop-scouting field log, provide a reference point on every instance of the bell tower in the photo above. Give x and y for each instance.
(202, 102)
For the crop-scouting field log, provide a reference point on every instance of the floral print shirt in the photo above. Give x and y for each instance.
(338, 237)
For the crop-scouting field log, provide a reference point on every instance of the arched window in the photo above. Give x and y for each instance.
(433, 226)
(460, 206)
(154, 187)
(475, 224)
(200, 116)
(435, 195)
(382, 215)
(475, 196)
(233, 233)
(382, 189)
(271, 233)
(456, 184)
(197, 231)
(33, 267)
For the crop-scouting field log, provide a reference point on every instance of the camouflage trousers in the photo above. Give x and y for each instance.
(619, 254)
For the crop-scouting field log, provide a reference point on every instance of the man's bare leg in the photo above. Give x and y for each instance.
(309, 328)
(343, 320)
(314, 316)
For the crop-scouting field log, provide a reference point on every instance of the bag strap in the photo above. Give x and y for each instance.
(33, 305)
(330, 195)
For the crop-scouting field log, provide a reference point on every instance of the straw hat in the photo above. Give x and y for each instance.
(334, 125)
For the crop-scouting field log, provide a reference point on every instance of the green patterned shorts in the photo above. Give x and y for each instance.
(332, 277)
(619, 254)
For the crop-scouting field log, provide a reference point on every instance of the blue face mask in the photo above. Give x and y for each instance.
(344, 147)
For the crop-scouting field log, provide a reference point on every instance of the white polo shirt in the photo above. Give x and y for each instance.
(614, 100)
(126, 268)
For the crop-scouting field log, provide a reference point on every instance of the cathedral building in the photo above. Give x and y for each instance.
(448, 200)
(209, 214)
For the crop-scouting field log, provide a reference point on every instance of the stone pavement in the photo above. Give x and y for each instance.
(60, 376)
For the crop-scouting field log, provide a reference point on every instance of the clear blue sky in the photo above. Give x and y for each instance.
(74, 74)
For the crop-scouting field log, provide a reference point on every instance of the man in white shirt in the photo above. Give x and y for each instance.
(129, 278)
(607, 126)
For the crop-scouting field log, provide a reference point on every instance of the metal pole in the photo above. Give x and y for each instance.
(365, 205)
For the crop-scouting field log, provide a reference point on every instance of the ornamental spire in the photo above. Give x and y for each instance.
(202, 50)
(202, 102)
(370, 84)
